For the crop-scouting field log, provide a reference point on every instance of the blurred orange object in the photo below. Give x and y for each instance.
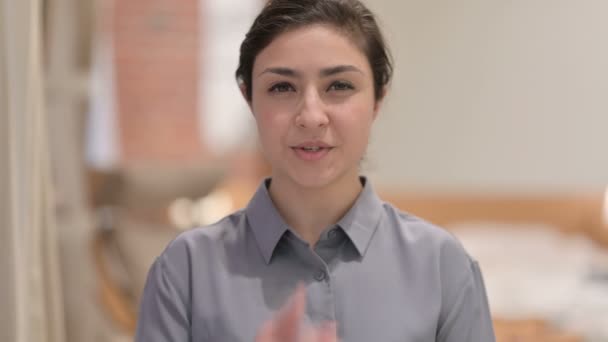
(530, 330)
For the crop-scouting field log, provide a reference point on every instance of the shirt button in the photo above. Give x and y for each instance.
(320, 275)
(332, 233)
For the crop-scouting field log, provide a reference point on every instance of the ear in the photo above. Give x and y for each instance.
(380, 101)
(243, 89)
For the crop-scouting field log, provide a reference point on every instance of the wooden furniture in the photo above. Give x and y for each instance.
(530, 330)
(132, 210)
(571, 213)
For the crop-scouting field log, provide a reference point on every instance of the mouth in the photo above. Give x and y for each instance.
(313, 148)
(312, 151)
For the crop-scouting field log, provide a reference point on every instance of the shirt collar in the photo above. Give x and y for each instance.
(359, 223)
(362, 219)
(267, 224)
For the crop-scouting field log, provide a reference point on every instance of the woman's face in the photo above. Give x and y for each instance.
(313, 101)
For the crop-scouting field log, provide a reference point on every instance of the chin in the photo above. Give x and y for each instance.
(316, 180)
(312, 183)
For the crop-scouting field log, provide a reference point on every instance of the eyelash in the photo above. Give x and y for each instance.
(338, 86)
(275, 87)
(343, 85)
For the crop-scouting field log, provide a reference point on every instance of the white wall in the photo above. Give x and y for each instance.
(7, 320)
(498, 95)
(225, 121)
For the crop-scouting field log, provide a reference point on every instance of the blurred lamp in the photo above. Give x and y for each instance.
(212, 207)
(180, 213)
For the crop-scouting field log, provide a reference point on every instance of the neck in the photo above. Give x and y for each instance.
(309, 211)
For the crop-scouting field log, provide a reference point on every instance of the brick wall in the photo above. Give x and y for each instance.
(156, 61)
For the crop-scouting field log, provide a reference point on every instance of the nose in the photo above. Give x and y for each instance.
(312, 112)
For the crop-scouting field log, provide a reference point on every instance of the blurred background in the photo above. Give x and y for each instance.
(121, 125)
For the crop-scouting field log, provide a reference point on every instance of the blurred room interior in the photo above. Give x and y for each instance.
(122, 125)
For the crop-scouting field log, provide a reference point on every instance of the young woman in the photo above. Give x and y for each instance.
(314, 73)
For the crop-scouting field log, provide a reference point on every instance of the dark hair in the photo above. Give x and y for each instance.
(348, 16)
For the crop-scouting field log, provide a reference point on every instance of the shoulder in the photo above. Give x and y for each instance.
(420, 231)
(203, 242)
(436, 248)
(428, 239)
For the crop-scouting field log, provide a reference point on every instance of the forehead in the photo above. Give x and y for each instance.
(314, 46)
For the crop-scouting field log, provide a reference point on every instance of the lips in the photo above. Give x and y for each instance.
(312, 150)
(312, 145)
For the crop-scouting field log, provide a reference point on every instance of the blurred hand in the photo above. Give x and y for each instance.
(288, 325)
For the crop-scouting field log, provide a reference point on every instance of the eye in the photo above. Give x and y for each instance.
(281, 87)
(340, 86)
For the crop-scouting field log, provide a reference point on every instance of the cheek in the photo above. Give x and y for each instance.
(272, 127)
(262, 114)
(356, 120)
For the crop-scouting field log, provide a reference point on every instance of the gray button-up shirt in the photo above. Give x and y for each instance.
(381, 274)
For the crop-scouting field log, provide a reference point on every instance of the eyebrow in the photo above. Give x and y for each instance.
(324, 72)
(280, 71)
(339, 69)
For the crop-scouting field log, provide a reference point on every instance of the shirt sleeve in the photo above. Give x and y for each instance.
(164, 310)
(467, 317)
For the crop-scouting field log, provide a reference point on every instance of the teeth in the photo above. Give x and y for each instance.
(312, 149)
